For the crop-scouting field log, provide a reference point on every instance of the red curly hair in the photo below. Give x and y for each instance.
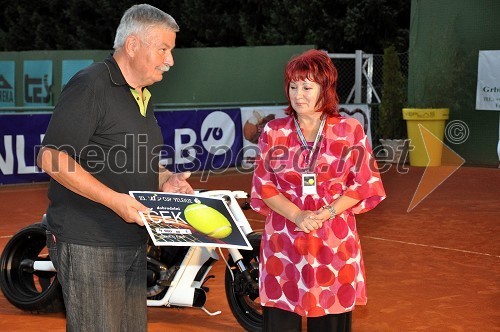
(315, 66)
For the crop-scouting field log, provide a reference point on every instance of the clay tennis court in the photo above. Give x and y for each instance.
(436, 268)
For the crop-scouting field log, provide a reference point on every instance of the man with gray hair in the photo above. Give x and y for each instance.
(103, 141)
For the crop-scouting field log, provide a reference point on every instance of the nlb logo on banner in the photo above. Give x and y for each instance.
(201, 139)
(193, 140)
(218, 132)
(20, 138)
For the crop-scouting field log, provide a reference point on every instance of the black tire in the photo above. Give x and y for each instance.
(37, 291)
(243, 299)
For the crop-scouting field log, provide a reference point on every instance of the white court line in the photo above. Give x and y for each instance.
(420, 244)
(435, 247)
(381, 239)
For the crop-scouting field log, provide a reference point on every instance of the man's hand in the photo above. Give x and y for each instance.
(176, 183)
(128, 207)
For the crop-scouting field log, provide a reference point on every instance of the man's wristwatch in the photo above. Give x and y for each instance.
(332, 211)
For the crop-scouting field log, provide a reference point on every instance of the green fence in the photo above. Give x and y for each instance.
(200, 77)
(445, 39)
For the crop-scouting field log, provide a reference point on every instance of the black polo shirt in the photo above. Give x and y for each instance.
(98, 122)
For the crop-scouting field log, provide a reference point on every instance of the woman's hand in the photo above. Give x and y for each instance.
(323, 214)
(308, 221)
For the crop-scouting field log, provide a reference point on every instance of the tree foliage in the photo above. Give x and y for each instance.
(391, 124)
(334, 25)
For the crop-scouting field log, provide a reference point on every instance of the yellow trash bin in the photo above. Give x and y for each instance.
(433, 119)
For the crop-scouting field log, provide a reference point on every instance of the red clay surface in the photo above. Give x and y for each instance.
(436, 268)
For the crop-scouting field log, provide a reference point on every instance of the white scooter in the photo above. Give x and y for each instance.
(176, 275)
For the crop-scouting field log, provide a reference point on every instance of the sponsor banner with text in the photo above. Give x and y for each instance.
(194, 140)
(206, 139)
(488, 81)
(20, 139)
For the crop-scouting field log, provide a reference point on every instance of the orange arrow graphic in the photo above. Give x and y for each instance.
(434, 175)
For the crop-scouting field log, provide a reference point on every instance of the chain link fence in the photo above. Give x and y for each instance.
(371, 84)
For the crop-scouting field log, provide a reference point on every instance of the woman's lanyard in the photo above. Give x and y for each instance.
(309, 163)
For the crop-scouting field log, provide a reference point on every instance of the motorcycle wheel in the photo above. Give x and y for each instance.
(35, 291)
(242, 298)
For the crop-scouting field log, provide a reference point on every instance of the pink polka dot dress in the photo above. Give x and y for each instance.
(321, 272)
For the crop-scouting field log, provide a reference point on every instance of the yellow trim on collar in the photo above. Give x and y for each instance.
(143, 104)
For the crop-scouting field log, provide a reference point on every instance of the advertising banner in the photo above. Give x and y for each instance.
(253, 120)
(70, 68)
(37, 83)
(193, 140)
(20, 139)
(488, 81)
(200, 139)
(7, 83)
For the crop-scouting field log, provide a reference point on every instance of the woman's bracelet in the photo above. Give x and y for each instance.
(332, 211)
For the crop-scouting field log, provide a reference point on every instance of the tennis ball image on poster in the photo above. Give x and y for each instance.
(207, 220)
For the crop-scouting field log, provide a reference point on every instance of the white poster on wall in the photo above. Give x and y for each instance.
(488, 81)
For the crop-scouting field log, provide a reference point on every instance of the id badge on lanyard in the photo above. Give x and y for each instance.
(309, 184)
(309, 177)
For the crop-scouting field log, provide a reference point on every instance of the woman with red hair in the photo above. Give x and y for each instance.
(315, 171)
